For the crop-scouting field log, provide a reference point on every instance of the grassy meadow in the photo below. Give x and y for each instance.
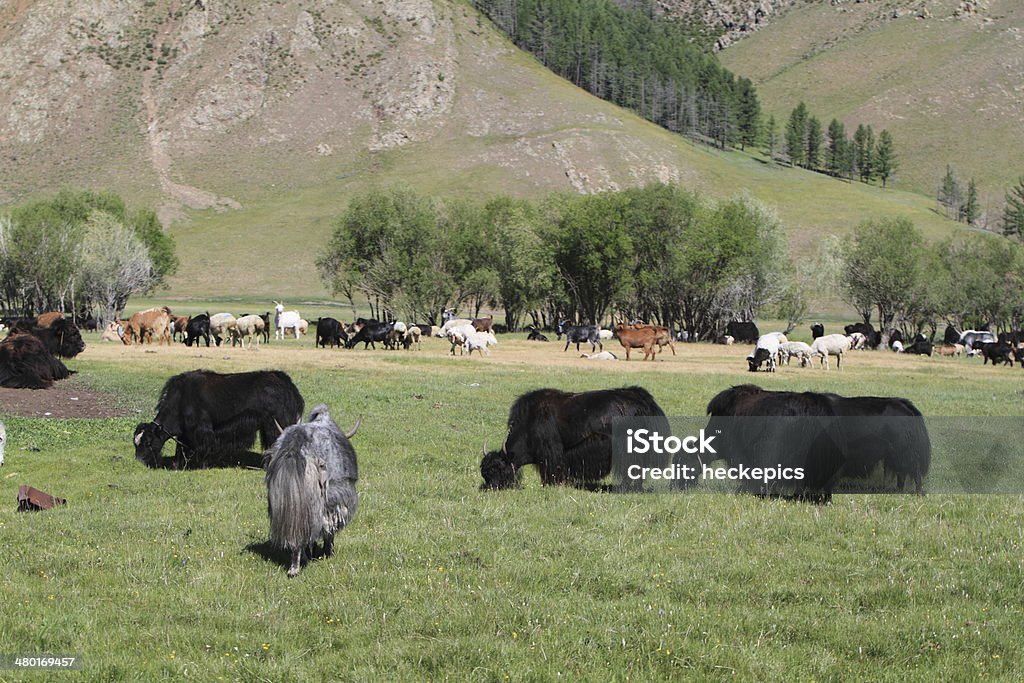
(158, 575)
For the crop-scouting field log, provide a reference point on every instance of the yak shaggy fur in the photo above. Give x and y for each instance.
(311, 487)
(210, 414)
(567, 436)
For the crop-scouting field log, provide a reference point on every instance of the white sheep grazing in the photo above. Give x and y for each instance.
(798, 349)
(858, 341)
(897, 346)
(603, 355)
(728, 340)
(400, 328)
(452, 324)
(222, 326)
(831, 345)
(248, 326)
(479, 341)
(768, 345)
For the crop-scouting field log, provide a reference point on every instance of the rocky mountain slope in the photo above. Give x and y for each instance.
(249, 125)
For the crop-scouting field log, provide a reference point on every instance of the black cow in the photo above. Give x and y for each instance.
(997, 353)
(26, 363)
(536, 335)
(213, 416)
(579, 334)
(921, 347)
(817, 330)
(329, 331)
(198, 326)
(873, 337)
(567, 436)
(742, 333)
(370, 334)
(830, 437)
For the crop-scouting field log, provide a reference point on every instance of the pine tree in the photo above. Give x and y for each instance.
(1013, 212)
(885, 157)
(796, 135)
(772, 136)
(970, 211)
(836, 148)
(748, 113)
(815, 142)
(950, 194)
(864, 152)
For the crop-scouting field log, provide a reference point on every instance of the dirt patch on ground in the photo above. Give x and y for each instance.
(64, 399)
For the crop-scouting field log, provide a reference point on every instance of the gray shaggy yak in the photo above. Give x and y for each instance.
(311, 486)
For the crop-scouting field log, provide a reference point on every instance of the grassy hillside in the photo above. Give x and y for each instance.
(948, 88)
(258, 127)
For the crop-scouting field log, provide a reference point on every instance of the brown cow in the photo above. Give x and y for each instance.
(144, 324)
(638, 337)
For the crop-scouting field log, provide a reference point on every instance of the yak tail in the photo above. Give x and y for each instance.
(296, 500)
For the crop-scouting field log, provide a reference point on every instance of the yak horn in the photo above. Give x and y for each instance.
(359, 421)
(485, 448)
(278, 424)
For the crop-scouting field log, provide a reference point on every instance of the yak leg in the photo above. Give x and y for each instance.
(328, 545)
(296, 564)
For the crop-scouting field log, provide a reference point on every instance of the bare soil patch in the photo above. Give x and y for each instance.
(65, 399)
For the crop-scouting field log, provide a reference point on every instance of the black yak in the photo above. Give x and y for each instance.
(580, 334)
(211, 415)
(61, 338)
(829, 437)
(26, 363)
(567, 436)
(311, 486)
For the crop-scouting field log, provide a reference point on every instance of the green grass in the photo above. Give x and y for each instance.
(154, 575)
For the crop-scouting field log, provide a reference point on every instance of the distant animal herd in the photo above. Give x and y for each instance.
(310, 467)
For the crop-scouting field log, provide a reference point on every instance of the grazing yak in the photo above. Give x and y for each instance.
(370, 334)
(567, 436)
(213, 416)
(829, 437)
(311, 486)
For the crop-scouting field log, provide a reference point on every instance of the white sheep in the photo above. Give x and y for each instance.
(412, 336)
(831, 345)
(605, 335)
(897, 346)
(250, 326)
(222, 326)
(767, 349)
(798, 349)
(479, 341)
(452, 324)
(457, 335)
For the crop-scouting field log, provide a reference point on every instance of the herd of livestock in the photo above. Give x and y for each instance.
(214, 419)
(32, 353)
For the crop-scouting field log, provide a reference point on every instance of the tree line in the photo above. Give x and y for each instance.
(80, 251)
(888, 271)
(862, 156)
(663, 70)
(965, 206)
(657, 253)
